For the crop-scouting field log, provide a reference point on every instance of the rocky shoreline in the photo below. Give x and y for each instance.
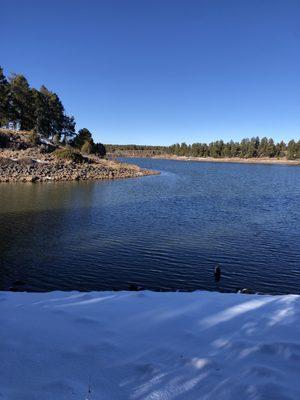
(29, 170)
(20, 162)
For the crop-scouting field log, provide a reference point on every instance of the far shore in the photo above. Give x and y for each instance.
(263, 160)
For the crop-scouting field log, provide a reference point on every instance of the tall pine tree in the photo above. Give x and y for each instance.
(21, 103)
(4, 99)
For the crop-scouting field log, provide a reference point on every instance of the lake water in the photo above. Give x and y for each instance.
(163, 232)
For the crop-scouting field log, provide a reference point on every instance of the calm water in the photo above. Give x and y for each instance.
(160, 232)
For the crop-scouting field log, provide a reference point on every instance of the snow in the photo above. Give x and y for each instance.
(146, 345)
(40, 161)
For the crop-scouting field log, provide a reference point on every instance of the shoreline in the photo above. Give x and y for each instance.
(22, 161)
(31, 170)
(224, 160)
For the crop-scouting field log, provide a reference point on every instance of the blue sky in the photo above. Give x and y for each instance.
(160, 71)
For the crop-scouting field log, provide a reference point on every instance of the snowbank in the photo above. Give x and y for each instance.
(144, 345)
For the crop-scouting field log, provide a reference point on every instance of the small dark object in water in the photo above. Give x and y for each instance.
(217, 273)
(247, 291)
(134, 288)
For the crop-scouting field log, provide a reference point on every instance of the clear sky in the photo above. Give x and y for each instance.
(162, 71)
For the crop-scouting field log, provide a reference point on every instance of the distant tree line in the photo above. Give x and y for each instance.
(42, 112)
(246, 148)
(136, 150)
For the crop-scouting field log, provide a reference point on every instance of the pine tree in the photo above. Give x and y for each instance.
(271, 149)
(50, 117)
(99, 149)
(22, 103)
(292, 150)
(57, 113)
(280, 149)
(4, 99)
(42, 112)
(68, 128)
(263, 147)
(83, 136)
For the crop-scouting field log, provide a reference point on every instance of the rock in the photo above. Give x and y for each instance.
(32, 178)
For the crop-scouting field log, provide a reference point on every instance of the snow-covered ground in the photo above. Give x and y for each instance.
(144, 345)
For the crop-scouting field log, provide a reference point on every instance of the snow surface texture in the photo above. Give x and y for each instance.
(145, 345)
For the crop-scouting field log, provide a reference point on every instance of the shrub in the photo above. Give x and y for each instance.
(34, 138)
(87, 147)
(99, 149)
(47, 148)
(69, 154)
(84, 135)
